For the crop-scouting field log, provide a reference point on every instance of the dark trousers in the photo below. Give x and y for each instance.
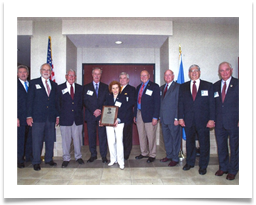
(43, 131)
(226, 162)
(92, 127)
(127, 139)
(24, 144)
(203, 135)
(172, 141)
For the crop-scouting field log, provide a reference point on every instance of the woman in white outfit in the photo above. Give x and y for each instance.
(115, 133)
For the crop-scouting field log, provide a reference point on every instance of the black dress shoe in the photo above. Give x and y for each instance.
(230, 176)
(37, 167)
(64, 164)
(21, 165)
(104, 160)
(91, 159)
(150, 159)
(51, 163)
(187, 167)
(202, 171)
(140, 157)
(220, 173)
(80, 161)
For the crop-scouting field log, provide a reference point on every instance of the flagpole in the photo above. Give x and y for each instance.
(181, 155)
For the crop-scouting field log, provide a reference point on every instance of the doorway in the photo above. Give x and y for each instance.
(111, 72)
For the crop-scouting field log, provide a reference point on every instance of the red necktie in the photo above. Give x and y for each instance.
(72, 91)
(223, 93)
(48, 88)
(194, 91)
(140, 93)
(165, 90)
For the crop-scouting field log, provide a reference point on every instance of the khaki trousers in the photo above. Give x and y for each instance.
(147, 136)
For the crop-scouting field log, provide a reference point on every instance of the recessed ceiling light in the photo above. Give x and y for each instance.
(118, 42)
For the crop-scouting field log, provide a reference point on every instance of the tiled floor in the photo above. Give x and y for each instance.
(136, 172)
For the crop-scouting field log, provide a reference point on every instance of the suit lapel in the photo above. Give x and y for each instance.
(40, 82)
(230, 87)
(21, 87)
(170, 88)
(147, 87)
(199, 90)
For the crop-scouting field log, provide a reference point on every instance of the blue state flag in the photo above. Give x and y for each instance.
(180, 80)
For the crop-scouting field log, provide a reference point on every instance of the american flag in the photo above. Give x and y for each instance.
(49, 57)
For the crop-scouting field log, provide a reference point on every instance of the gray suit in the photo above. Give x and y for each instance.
(168, 113)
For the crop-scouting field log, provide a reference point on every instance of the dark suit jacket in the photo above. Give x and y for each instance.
(91, 102)
(169, 103)
(22, 103)
(129, 93)
(70, 110)
(122, 110)
(150, 104)
(40, 106)
(200, 111)
(227, 113)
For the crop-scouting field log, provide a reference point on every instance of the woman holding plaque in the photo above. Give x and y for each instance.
(115, 133)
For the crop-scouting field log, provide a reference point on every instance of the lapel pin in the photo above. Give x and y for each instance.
(231, 85)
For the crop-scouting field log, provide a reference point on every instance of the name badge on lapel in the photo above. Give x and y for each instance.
(118, 104)
(38, 86)
(89, 92)
(64, 91)
(127, 99)
(216, 94)
(149, 92)
(204, 92)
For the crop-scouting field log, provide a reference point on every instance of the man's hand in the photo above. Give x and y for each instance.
(176, 123)
(210, 124)
(30, 121)
(97, 113)
(182, 123)
(154, 122)
(18, 122)
(57, 121)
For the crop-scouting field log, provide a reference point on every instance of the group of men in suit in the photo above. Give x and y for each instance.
(196, 105)
(201, 106)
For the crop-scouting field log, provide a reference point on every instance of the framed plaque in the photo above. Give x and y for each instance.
(109, 115)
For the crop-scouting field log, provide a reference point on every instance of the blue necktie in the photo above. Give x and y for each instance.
(97, 89)
(26, 86)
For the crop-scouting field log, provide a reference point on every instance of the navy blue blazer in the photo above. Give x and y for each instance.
(22, 103)
(91, 102)
(70, 111)
(39, 105)
(129, 93)
(150, 103)
(227, 113)
(122, 110)
(200, 111)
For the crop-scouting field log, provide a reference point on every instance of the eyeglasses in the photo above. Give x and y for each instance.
(45, 70)
(193, 71)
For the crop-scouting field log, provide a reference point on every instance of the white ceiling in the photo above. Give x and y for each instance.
(129, 41)
(108, 41)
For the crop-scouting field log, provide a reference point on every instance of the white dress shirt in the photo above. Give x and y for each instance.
(68, 87)
(169, 84)
(197, 84)
(227, 84)
(48, 81)
(23, 83)
(94, 85)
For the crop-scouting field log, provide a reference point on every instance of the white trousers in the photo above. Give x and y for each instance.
(115, 143)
